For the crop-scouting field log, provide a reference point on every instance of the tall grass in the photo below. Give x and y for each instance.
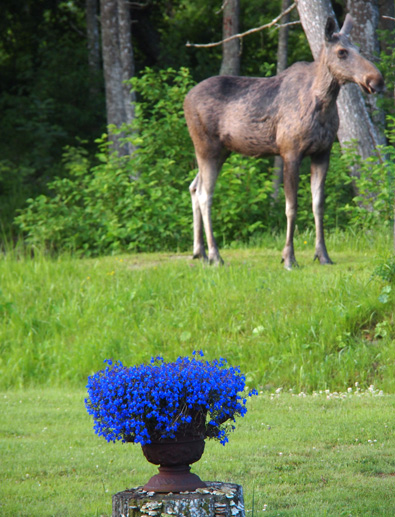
(312, 328)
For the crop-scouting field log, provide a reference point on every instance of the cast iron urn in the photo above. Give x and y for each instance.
(175, 457)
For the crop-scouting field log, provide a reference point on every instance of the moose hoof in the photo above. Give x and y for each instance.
(201, 255)
(216, 261)
(324, 260)
(289, 264)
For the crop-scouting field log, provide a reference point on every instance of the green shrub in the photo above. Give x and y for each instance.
(142, 203)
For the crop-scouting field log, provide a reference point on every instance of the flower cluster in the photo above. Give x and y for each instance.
(155, 401)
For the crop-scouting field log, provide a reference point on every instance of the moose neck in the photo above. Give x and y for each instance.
(325, 86)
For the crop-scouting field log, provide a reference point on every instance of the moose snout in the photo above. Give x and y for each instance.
(374, 83)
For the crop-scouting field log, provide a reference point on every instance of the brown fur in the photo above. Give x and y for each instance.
(293, 114)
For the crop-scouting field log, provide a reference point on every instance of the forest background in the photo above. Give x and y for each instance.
(62, 186)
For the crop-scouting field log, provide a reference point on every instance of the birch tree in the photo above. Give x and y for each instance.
(231, 49)
(118, 65)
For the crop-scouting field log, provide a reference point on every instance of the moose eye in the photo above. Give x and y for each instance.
(342, 53)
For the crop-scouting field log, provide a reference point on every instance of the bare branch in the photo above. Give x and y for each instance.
(241, 35)
(389, 18)
(298, 22)
(139, 5)
(222, 7)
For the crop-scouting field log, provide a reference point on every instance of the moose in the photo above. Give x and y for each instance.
(292, 114)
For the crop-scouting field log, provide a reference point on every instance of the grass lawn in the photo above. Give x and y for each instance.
(314, 328)
(293, 455)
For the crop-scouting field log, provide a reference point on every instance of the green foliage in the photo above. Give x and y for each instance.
(46, 96)
(386, 270)
(387, 68)
(142, 203)
(373, 204)
(13, 189)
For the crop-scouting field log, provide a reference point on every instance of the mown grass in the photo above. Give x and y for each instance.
(293, 455)
(312, 328)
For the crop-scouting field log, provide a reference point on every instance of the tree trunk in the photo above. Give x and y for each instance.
(364, 34)
(387, 23)
(355, 123)
(93, 36)
(231, 49)
(118, 64)
(282, 61)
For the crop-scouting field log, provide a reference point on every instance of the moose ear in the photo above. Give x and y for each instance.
(330, 28)
(347, 25)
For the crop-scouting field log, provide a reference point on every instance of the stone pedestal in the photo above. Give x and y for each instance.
(217, 500)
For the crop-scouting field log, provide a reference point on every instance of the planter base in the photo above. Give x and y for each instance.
(174, 479)
(216, 500)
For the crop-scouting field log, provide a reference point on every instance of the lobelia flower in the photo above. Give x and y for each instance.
(157, 400)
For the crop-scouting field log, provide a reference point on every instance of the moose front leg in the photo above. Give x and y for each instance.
(198, 240)
(291, 181)
(319, 168)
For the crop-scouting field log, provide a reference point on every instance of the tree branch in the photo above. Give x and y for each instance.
(222, 7)
(298, 22)
(241, 35)
(389, 18)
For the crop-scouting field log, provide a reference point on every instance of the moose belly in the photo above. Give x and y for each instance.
(253, 139)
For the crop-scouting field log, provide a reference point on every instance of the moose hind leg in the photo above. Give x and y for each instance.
(319, 168)
(198, 240)
(291, 181)
(208, 173)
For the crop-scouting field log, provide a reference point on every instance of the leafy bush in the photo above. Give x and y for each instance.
(373, 203)
(386, 270)
(142, 203)
(124, 202)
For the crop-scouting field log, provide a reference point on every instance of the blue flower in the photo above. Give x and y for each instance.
(147, 402)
